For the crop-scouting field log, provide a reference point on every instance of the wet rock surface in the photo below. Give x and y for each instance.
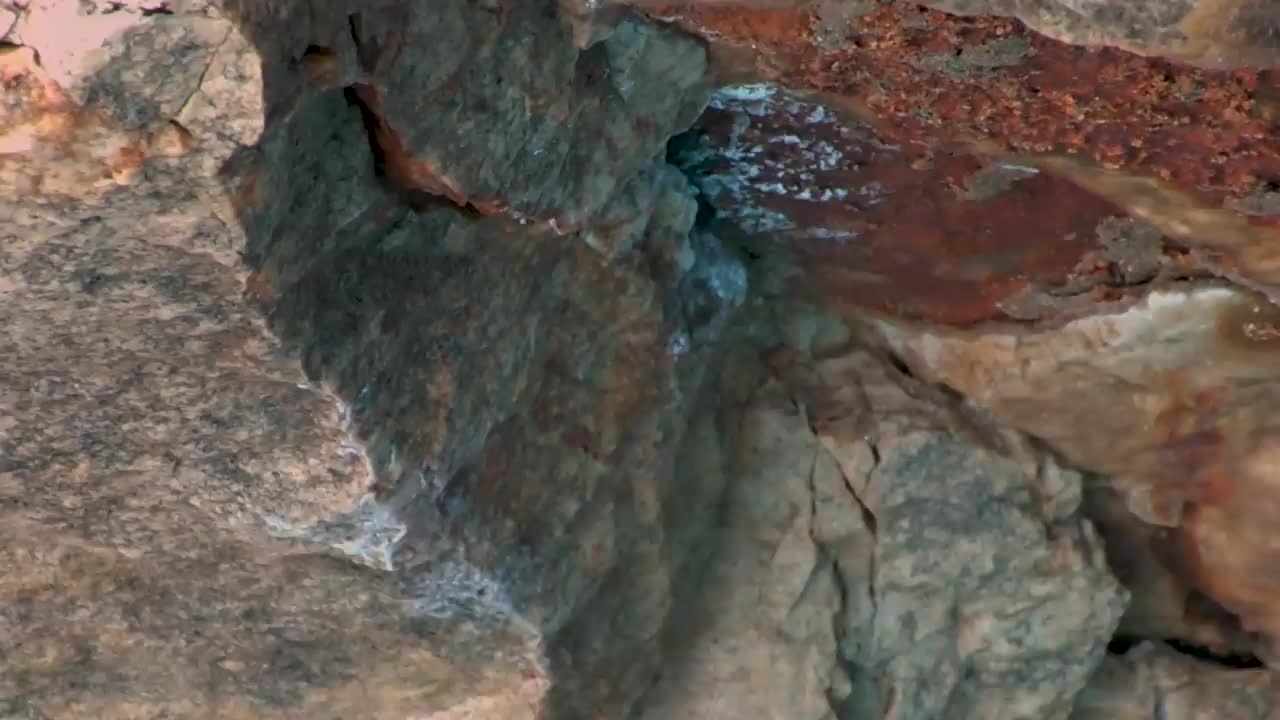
(566, 359)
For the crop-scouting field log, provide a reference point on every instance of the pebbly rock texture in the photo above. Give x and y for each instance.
(927, 99)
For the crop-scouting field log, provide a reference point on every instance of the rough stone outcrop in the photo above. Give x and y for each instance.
(952, 564)
(1062, 227)
(1191, 449)
(479, 408)
(946, 126)
(560, 359)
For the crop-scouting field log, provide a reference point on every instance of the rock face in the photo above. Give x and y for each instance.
(481, 409)
(879, 226)
(543, 359)
(1190, 450)
(924, 111)
(953, 565)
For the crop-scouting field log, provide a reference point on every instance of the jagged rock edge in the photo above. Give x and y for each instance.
(371, 533)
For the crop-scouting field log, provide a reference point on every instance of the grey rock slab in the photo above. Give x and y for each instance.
(563, 128)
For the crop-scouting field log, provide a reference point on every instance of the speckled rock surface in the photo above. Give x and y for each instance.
(927, 99)
(446, 482)
(1062, 211)
(369, 360)
(522, 399)
(957, 238)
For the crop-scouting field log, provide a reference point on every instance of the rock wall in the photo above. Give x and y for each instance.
(882, 555)
(272, 311)
(367, 359)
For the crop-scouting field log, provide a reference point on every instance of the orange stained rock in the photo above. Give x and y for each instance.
(1215, 455)
(32, 107)
(930, 253)
(1215, 458)
(1231, 548)
(945, 237)
(1220, 457)
(930, 77)
(400, 166)
(1174, 401)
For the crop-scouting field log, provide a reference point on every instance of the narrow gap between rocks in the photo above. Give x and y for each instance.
(352, 95)
(390, 163)
(1121, 646)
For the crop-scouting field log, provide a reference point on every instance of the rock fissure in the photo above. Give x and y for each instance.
(1237, 662)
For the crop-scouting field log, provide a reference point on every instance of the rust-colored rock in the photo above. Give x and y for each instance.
(928, 77)
(946, 235)
(591, 464)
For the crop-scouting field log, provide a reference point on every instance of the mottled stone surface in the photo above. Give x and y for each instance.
(521, 398)
(936, 100)
(1024, 168)
(990, 595)
(562, 129)
(447, 483)
(224, 624)
(925, 77)
(880, 556)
